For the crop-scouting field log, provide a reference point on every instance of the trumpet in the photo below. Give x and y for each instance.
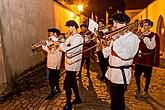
(108, 36)
(131, 27)
(37, 47)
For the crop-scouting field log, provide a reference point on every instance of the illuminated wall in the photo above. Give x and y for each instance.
(156, 13)
(22, 23)
(62, 15)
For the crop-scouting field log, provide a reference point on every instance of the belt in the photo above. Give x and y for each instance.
(123, 73)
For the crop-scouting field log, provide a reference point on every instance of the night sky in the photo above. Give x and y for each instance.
(99, 7)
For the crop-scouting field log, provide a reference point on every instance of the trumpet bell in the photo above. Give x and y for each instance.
(36, 47)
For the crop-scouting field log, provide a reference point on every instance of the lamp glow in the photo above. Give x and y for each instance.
(80, 7)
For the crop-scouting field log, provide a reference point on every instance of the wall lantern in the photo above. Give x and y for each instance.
(80, 7)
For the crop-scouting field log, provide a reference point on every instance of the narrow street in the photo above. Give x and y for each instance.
(30, 93)
(29, 26)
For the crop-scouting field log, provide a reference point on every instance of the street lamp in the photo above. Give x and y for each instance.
(80, 7)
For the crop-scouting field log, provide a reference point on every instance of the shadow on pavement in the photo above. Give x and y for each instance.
(89, 97)
(152, 101)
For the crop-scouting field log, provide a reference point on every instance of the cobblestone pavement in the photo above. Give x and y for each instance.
(30, 93)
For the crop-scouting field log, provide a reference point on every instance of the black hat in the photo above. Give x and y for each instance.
(120, 18)
(71, 23)
(54, 30)
(102, 20)
(85, 25)
(147, 21)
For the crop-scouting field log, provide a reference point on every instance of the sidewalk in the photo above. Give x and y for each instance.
(94, 93)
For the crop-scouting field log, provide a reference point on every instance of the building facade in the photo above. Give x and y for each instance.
(156, 13)
(22, 23)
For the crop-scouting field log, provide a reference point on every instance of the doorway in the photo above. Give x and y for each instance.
(160, 29)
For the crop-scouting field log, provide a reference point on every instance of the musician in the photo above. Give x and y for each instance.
(121, 50)
(53, 62)
(103, 62)
(147, 57)
(72, 65)
(86, 55)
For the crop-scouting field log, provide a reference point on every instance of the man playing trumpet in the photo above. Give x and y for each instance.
(54, 57)
(72, 65)
(86, 55)
(147, 57)
(103, 62)
(121, 50)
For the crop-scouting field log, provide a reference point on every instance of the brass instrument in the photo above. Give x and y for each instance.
(37, 47)
(108, 36)
(140, 34)
(124, 29)
(87, 36)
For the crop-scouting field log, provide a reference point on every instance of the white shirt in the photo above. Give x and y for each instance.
(125, 47)
(53, 38)
(72, 64)
(54, 57)
(150, 44)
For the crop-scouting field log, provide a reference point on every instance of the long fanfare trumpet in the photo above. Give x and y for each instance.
(37, 47)
(108, 35)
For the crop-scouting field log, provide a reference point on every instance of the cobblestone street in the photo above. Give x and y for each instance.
(31, 92)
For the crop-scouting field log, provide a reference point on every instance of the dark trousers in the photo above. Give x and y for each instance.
(70, 82)
(54, 79)
(147, 74)
(117, 96)
(93, 50)
(103, 62)
(87, 61)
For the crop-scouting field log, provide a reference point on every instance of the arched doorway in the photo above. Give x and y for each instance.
(160, 29)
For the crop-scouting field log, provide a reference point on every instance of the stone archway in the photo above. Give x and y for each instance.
(160, 29)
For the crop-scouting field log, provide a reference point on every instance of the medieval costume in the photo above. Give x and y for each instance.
(147, 57)
(121, 52)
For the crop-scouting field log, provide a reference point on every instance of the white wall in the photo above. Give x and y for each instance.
(23, 22)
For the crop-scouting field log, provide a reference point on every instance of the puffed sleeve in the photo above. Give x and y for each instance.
(150, 43)
(127, 48)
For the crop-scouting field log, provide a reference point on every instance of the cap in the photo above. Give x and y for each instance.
(101, 20)
(71, 23)
(120, 18)
(85, 25)
(54, 30)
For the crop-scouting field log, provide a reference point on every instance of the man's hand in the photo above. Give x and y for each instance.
(105, 44)
(141, 36)
(56, 44)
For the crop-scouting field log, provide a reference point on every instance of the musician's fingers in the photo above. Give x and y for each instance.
(141, 36)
